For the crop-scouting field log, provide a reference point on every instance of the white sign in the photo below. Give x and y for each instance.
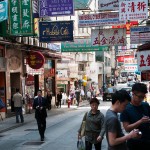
(99, 19)
(129, 61)
(130, 68)
(136, 35)
(133, 10)
(143, 59)
(108, 5)
(109, 37)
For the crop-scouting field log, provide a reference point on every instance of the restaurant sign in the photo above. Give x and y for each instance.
(55, 31)
(35, 60)
(81, 45)
(20, 17)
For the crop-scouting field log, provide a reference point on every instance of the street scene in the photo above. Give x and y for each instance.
(74, 74)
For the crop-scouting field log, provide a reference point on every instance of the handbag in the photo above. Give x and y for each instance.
(2, 105)
(80, 145)
(83, 125)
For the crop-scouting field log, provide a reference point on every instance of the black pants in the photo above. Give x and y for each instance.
(88, 146)
(49, 106)
(41, 122)
(59, 103)
(139, 145)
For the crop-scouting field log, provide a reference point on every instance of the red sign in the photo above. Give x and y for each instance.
(121, 58)
(128, 25)
(35, 60)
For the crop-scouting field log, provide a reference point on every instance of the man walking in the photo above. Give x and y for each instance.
(18, 103)
(39, 105)
(59, 98)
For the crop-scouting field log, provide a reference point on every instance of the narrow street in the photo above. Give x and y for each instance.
(61, 132)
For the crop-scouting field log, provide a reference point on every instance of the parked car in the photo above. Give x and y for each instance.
(131, 83)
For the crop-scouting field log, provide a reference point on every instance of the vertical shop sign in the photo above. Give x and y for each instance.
(56, 8)
(14, 14)
(20, 14)
(26, 15)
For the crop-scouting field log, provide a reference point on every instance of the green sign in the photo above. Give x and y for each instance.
(81, 45)
(20, 17)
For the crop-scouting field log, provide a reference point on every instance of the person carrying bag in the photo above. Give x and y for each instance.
(94, 126)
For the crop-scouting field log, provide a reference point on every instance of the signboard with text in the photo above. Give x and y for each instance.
(135, 34)
(99, 19)
(143, 58)
(50, 8)
(20, 17)
(55, 31)
(108, 37)
(81, 45)
(133, 10)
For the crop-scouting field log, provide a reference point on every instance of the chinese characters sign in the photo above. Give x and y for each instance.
(143, 58)
(56, 31)
(20, 17)
(136, 37)
(56, 8)
(3, 10)
(35, 60)
(133, 10)
(81, 45)
(109, 37)
(99, 19)
(129, 68)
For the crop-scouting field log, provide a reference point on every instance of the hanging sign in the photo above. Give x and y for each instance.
(49, 8)
(133, 10)
(56, 31)
(108, 37)
(35, 60)
(3, 11)
(20, 17)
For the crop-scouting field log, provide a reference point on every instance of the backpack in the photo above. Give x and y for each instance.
(2, 105)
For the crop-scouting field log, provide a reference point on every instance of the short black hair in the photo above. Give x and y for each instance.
(139, 87)
(94, 100)
(17, 89)
(121, 96)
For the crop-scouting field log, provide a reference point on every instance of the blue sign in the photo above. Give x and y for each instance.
(56, 31)
(3, 10)
(56, 8)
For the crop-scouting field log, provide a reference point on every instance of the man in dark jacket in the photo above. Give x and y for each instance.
(40, 113)
(59, 97)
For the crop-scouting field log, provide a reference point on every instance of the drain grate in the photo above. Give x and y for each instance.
(31, 130)
(33, 143)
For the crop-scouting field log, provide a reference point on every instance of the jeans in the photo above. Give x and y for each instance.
(88, 145)
(18, 111)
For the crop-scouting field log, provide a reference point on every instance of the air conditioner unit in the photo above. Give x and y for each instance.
(25, 40)
(30, 41)
(36, 42)
(18, 39)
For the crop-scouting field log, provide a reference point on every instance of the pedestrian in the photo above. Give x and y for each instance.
(64, 98)
(28, 100)
(48, 100)
(77, 94)
(59, 98)
(39, 105)
(94, 127)
(18, 104)
(149, 87)
(114, 134)
(88, 95)
(137, 116)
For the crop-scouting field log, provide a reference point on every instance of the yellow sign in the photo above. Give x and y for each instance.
(84, 80)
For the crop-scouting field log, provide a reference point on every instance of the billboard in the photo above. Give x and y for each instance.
(50, 8)
(108, 37)
(55, 31)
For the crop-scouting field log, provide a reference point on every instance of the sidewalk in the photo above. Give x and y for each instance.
(10, 123)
